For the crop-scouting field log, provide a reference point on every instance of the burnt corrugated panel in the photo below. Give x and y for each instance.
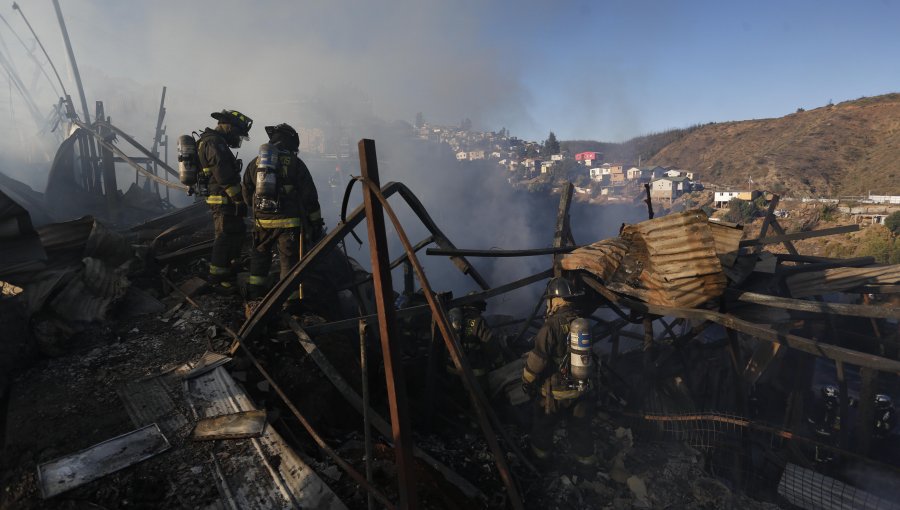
(728, 241)
(20, 246)
(671, 260)
(601, 258)
(65, 242)
(816, 283)
(682, 265)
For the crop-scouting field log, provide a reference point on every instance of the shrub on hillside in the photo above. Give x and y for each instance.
(741, 211)
(877, 241)
(892, 222)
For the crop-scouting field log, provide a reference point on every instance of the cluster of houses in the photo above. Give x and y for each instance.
(526, 166)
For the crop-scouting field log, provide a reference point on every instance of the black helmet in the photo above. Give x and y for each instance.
(561, 287)
(284, 136)
(240, 122)
(480, 305)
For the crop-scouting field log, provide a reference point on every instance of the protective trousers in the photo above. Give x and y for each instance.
(229, 236)
(287, 241)
(577, 415)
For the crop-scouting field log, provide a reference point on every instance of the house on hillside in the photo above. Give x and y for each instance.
(546, 167)
(590, 158)
(616, 175)
(721, 198)
(556, 157)
(604, 171)
(669, 188)
(462, 156)
(475, 155)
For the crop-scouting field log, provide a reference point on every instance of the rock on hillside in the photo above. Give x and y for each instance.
(849, 148)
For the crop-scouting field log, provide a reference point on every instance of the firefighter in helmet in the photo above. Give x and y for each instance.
(285, 204)
(885, 416)
(222, 171)
(481, 348)
(560, 374)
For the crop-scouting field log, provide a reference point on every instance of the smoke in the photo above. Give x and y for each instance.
(347, 69)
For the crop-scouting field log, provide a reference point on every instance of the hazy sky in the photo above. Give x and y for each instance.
(598, 70)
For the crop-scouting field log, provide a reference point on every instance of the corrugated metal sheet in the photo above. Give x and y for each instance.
(816, 283)
(728, 240)
(682, 266)
(671, 260)
(601, 258)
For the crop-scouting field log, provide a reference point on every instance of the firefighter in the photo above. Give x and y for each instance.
(222, 171)
(560, 370)
(285, 208)
(885, 417)
(480, 346)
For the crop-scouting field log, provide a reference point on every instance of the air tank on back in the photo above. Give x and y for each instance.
(187, 162)
(267, 179)
(581, 358)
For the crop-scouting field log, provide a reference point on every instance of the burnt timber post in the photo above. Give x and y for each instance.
(563, 233)
(387, 327)
(108, 165)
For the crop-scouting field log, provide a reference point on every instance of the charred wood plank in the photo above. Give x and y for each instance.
(501, 253)
(759, 331)
(877, 312)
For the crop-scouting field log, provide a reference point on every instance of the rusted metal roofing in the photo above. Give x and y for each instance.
(670, 261)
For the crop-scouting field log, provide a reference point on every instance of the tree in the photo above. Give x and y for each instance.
(892, 222)
(420, 120)
(551, 145)
(466, 124)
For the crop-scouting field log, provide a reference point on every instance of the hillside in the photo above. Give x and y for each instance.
(639, 148)
(849, 148)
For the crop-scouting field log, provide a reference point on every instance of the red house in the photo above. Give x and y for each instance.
(589, 156)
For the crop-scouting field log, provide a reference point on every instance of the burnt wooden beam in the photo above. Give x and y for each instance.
(877, 312)
(562, 234)
(759, 331)
(800, 235)
(764, 229)
(501, 253)
(789, 246)
(387, 329)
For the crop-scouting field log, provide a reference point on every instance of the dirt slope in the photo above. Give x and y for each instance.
(849, 148)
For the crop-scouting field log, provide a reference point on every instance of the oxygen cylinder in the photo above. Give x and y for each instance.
(581, 359)
(187, 162)
(266, 195)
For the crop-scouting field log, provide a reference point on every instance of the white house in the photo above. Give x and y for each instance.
(473, 155)
(721, 198)
(546, 166)
(556, 157)
(462, 155)
(668, 188)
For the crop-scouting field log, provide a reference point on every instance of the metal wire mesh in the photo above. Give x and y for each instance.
(808, 489)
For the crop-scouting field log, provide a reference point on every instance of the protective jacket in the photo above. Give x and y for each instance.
(547, 364)
(478, 343)
(298, 198)
(219, 165)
